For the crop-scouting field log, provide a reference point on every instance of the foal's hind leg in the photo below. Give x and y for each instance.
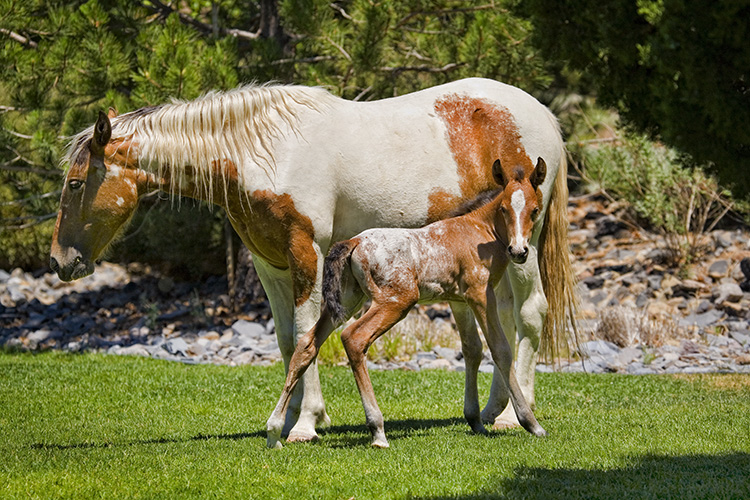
(304, 354)
(357, 338)
(471, 346)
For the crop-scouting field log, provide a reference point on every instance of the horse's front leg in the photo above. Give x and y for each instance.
(471, 346)
(502, 355)
(291, 316)
(304, 354)
(529, 312)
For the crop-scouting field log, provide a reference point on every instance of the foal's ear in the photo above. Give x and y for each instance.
(497, 173)
(539, 173)
(111, 113)
(102, 134)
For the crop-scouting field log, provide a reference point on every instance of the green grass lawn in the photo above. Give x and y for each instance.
(94, 426)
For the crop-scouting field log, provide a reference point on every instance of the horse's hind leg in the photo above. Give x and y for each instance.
(471, 346)
(357, 338)
(304, 354)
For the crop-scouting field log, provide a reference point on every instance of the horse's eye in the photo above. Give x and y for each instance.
(534, 214)
(75, 184)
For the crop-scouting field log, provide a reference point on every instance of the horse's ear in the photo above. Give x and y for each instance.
(111, 113)
(102, 133)
(539, 173)
(497, 173)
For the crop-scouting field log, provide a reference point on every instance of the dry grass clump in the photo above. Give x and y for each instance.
(627, 326)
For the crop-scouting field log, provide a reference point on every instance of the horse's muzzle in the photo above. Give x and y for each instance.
(73, 269)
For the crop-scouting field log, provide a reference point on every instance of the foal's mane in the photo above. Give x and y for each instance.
(478, 201)
(211, 129)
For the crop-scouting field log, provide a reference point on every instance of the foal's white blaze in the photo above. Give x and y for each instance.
(517, 204)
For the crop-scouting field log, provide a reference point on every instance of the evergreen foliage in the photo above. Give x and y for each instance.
(675, 68)
(61, 62)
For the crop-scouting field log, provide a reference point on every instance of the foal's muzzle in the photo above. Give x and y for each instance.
(518, 255)
(71, 265)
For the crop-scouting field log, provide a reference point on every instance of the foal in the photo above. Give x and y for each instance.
(461, 259)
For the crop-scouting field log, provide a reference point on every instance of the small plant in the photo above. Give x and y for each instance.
(659, 191)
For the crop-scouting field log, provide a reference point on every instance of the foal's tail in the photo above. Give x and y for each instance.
(558, 279)
(333, 268)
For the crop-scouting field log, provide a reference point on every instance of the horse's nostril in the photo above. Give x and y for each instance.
(77, 261)
(53, 264)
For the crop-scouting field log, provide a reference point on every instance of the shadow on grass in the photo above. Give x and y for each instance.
(345, 436)
(650, 476)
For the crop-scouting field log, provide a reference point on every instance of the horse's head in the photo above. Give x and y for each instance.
(98, 199)
(520, 205)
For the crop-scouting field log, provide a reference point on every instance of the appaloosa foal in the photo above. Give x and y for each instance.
(457, 259)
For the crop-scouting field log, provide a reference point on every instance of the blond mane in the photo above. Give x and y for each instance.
(235, 125)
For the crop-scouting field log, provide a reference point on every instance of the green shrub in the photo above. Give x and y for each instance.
(660, 192)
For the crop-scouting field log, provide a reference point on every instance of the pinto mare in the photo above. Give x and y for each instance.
(459, 260)
(298, 169)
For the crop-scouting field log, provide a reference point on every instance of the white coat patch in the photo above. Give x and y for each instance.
(517, 203)
(120, 201)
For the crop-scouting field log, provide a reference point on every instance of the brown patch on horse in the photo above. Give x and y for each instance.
(276, 231)
(479, 132)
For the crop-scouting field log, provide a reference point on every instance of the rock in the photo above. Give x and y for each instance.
(437, 364)
(248, 329)
(608, 225)
(729, 292)
(743, 337)
(701, 320)
(718, 268)
(134, 350)
(4, 275)
(745, 267)
(447, 353)
(176, 346)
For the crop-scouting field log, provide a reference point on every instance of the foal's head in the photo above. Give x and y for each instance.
(99, 197)
(520, 204)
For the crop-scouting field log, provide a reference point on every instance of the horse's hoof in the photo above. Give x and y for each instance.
(380, 443)
(301, 437)
(324, 420)
(501, 425)
(540, 432)
(273, 443)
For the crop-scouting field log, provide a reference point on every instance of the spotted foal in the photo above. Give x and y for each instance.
(459, 260)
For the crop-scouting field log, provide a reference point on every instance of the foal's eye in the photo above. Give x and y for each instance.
(534, 214)
(75, 184)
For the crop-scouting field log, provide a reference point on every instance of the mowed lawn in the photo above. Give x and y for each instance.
(96, 426)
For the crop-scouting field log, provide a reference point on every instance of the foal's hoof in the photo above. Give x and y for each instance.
(301, 437)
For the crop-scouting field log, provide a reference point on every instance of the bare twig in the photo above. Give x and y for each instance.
(30, 198)
(441, 12)
(208, 29)
(34, 220)
(31, 170)
(19, 38)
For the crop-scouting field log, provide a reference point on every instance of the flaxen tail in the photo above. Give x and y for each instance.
(335, 264)
(558, 279)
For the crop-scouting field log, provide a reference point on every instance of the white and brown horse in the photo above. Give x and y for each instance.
(460, 260)
(298, 169)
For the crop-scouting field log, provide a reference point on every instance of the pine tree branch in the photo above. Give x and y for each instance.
(207, 29)
(441, 12)
(31, 170)
(423, 69)
(31, 198)
(9, 223)
(19, 38)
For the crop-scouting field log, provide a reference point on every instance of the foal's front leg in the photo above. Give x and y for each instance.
(471, 346)
(503, 357)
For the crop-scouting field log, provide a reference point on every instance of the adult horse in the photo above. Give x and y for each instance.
(298, 169)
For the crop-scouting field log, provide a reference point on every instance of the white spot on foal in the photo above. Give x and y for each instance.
(517, 204)
(120, 201)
